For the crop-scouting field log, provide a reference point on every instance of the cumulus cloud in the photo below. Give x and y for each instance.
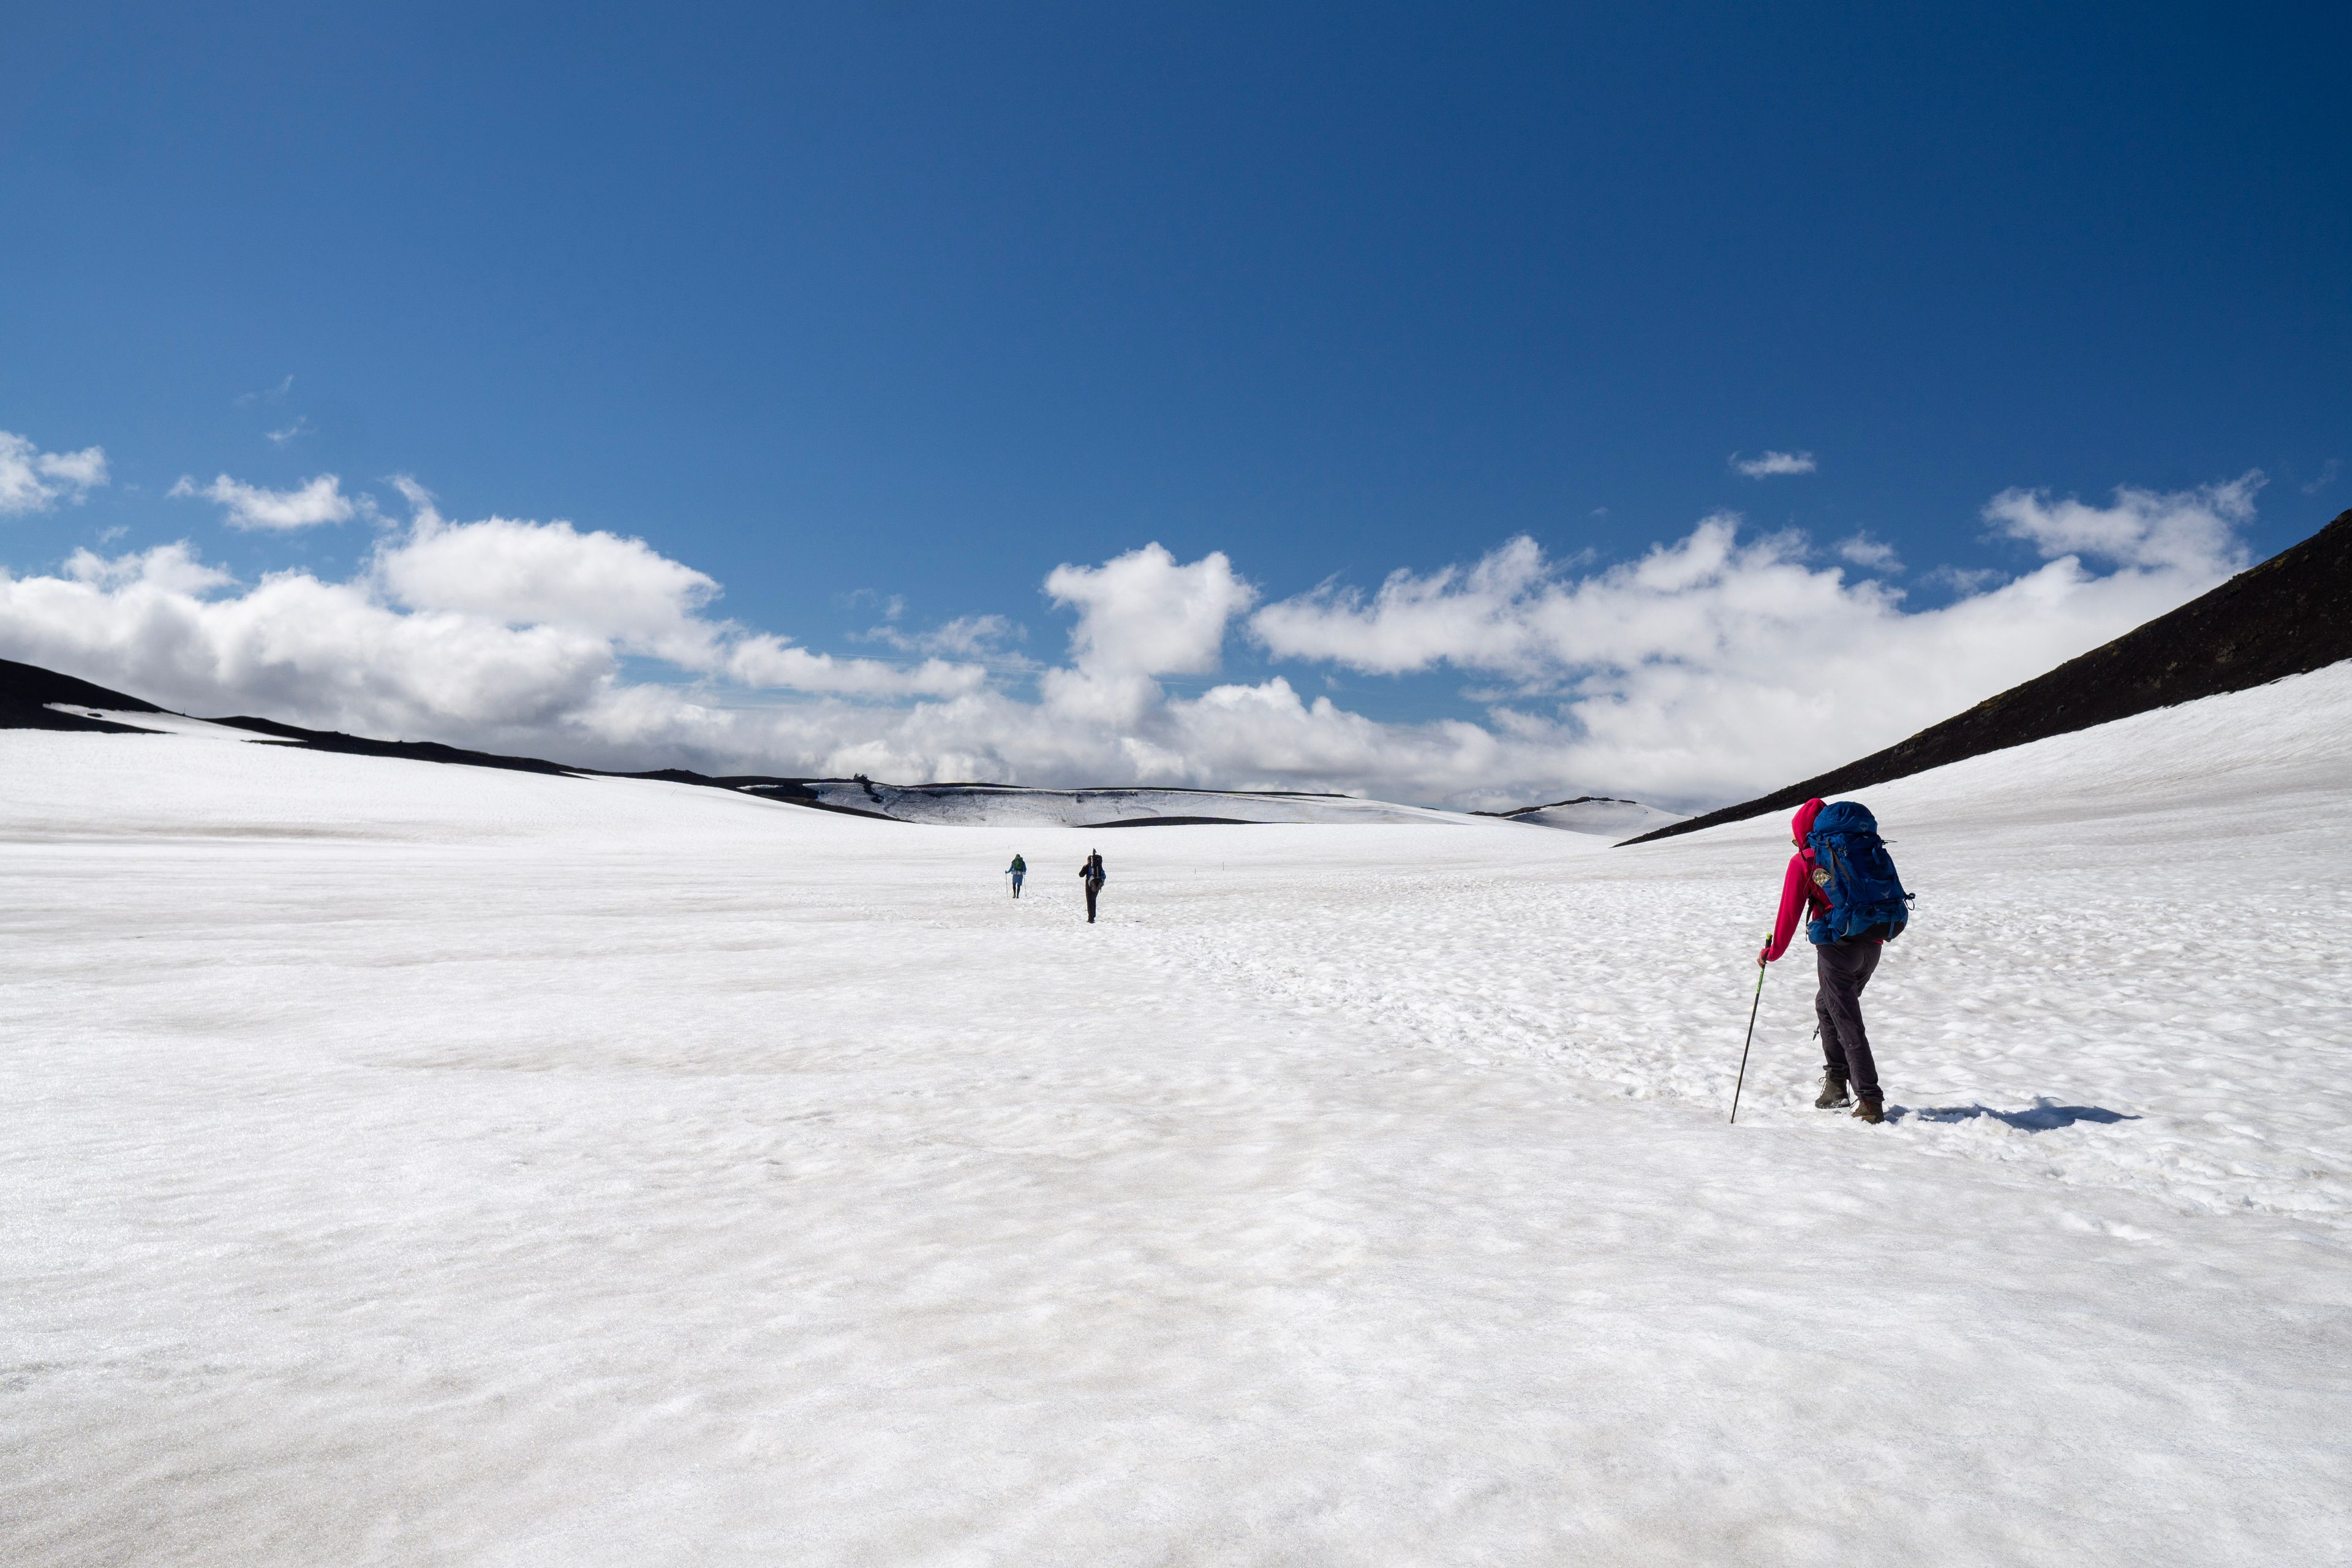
(161, 624)
(1711, 667)
(1143, 612)
(1772, 463)
(173, 568)
(2185, 529)
(498, 632)
(1140, 614)
(34, 480)
(319, 500)
(1716, 665)
(549, 573)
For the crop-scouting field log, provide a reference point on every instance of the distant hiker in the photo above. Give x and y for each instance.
(1018, 870)
(1843, 878)
(1091, 877)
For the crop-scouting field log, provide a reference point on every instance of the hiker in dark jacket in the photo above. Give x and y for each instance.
(1018, 870)
(1846, 968)
(1091, 877)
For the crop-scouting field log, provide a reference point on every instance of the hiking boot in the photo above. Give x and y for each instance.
(1870, 1107)
(1832, 1093)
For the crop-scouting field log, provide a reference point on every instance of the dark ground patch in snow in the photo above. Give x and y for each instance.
(2290, 615)
(414, 751)
(1553, 805)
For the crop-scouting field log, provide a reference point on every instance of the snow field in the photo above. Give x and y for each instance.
(419, 1164)
(983, 806)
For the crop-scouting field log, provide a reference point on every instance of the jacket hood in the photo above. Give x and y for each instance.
(1802, 822)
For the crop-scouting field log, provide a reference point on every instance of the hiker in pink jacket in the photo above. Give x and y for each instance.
(1846, 968)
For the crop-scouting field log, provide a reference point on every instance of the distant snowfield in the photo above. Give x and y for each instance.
(994, 806)
(1614, 819)
(409, 1164)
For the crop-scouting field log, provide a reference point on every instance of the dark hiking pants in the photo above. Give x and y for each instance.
(1094, 891)
(1845, 1047)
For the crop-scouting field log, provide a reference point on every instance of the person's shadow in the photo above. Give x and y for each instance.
(2043, 1117)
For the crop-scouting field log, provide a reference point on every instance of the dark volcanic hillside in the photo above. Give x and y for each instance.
(2289, 615)
(27, 690)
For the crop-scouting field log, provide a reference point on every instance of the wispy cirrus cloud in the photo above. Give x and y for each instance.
(1870, 555)
(965, 636)
(1772, 463)
(267, 395)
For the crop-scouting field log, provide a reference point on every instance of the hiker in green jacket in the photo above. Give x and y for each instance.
(1018, 870)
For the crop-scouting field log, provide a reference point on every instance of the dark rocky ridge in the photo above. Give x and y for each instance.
(27, 690)
(2290, 615)
(1553, 805)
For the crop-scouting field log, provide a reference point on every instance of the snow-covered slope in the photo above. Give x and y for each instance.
(1614, 819)
(410, 1164)
(1004, 805)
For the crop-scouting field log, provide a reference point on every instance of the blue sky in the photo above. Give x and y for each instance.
(850, 307)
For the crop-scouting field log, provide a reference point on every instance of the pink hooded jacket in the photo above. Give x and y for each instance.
(1800, 899)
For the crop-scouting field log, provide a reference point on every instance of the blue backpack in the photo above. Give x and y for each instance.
(1851, 865)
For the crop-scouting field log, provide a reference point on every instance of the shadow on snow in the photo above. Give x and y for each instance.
(2042, 1117)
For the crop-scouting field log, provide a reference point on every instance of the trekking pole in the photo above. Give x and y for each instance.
(1748, 1041)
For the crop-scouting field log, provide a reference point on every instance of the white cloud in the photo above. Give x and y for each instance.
(1475, 616)
(2325, 476)
(1714, 665)
(171, 568)
(302, 426)
(34, 480)
(1143, 612)
(1870, 555)
(1140, 614)
(768, 661)
(522, 573)
(318, 500)
(1772, 463)
(292, 647)
(549, 573)
(2186, 529)
(1963, 580)
(497, 633)
(966, 636)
